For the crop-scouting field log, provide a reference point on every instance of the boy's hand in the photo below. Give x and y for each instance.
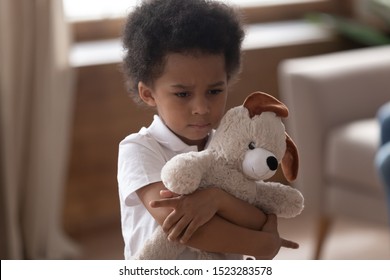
(271, 226)
(189, 212)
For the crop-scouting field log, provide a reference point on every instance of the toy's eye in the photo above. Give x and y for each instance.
(252, 146)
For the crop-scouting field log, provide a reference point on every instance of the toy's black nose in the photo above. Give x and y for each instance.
(272, 163)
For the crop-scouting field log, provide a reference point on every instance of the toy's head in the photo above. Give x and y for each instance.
(252, 138)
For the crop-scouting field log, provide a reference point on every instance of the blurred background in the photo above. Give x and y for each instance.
(64, 110)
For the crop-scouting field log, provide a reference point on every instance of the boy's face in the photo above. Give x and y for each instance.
(190, 95)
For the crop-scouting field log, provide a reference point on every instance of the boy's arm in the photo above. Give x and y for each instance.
(240, 212)
(199, 208)
(218, 234)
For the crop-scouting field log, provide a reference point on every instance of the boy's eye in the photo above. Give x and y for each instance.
(182, 94)
(215, 91)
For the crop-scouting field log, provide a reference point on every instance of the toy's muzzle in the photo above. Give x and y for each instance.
(259, 164)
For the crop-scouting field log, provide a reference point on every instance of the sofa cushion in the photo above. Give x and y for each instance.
(349, 155)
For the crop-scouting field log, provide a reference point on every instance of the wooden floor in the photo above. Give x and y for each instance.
(348, 240)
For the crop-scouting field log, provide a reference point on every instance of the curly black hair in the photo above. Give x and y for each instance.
(159, 27)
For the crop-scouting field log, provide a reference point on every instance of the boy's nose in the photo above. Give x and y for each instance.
(200, 106)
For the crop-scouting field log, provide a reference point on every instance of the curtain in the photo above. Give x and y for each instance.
(36, 85)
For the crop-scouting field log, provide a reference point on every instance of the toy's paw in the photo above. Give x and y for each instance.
(293, 204)
(183, 173)
(281, 200)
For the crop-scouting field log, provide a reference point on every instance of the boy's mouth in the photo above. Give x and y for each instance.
(200, 126)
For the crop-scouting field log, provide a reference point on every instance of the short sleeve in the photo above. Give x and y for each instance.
(139, 164)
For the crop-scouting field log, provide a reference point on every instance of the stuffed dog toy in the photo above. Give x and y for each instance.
(246, 149)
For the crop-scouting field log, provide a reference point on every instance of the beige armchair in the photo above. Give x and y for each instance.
(333, 100)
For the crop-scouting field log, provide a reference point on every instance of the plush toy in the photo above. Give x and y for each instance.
(245, 150)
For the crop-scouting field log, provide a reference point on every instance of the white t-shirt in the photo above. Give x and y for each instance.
(141, 158)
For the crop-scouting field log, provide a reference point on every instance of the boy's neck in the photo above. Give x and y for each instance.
(201, 146)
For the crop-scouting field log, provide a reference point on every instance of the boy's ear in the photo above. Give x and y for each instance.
(145, 93)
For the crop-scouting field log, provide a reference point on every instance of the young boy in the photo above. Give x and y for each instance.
(180, 58)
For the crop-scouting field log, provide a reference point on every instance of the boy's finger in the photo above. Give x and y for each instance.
(170, 221)
(289, 244)
(167, 194)
(188, 233)
(162, 203)
(178, 228)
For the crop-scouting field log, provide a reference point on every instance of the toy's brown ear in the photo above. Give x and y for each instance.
(290, 161)
(259, 102)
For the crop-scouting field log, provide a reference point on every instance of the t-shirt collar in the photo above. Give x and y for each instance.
(167, 138)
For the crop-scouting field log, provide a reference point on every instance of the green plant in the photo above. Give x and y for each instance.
(351, 29)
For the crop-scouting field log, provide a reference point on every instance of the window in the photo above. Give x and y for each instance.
(77, 10)
(98, 24)
(103, 19)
